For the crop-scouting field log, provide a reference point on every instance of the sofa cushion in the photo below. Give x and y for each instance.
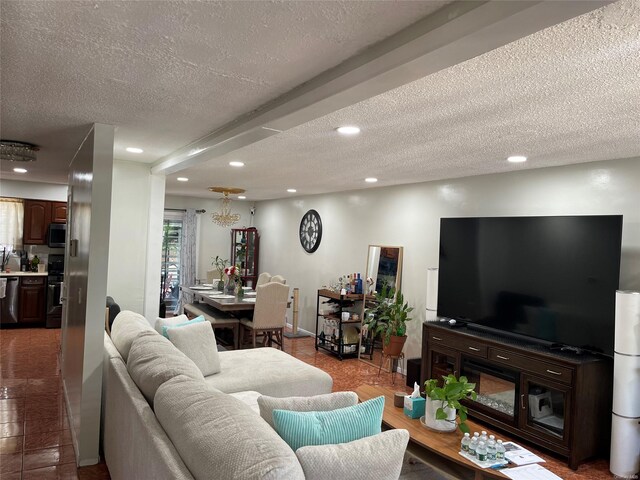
(218, 436)
(377, 457)
(125, 329)
(270, 372)
(154, 360)
(316, 403)
(165, 328)
(342, 425)
(169, 321)
(197, 341)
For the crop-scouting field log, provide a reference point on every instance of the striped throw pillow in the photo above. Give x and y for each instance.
(300, 429)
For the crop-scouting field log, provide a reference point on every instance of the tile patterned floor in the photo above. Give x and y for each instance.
(35, 441)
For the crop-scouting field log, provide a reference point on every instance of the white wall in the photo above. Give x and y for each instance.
(130, 237)
(212, 239)
(409, 216)
(85, 289)
(33, 190)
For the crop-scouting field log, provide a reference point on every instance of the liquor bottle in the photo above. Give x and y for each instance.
(481, 451)
(500, 450)
(464, 444)
(359, 285)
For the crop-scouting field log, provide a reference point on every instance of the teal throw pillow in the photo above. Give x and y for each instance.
(343, 425)
(198, 319)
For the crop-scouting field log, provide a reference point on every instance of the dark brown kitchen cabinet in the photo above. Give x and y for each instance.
(37, 217)
(38, 214)
(58, 212)
(32, 300)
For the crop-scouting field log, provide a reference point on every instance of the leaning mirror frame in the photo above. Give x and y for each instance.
(380, 258)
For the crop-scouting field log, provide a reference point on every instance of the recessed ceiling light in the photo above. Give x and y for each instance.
(371, 180)
(517, 159)
(134, 150)
(348, 130)
(291, 190)
(20, 170)
(241, 197)
(182, 179)
(236, 164)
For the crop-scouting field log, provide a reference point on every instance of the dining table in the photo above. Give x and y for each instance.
(222, 301)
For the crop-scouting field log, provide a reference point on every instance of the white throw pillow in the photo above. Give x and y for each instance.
(316, 403)
(169, 322)
(377, 457)
(197, 342)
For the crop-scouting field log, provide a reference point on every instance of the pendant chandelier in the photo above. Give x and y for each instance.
(17, 151)
(224, 217)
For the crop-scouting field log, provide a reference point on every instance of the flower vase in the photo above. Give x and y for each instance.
(231, 287)
(239, 290)
(220, 285)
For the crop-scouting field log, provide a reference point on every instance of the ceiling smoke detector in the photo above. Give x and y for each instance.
(17, 151)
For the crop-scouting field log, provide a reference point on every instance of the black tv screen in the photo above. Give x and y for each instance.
(549, 278)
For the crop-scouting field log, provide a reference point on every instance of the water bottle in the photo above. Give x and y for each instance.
(483, 437)
(474, 444)
(500, 450)
(464, 444)
(481, 451)
(491, 449)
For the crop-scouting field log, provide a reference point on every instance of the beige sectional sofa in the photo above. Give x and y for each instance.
(163, 420)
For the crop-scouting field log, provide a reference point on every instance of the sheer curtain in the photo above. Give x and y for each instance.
(11, 219)
(187, 257)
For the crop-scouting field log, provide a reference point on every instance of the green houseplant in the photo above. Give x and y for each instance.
(388, 318)
(443, 402)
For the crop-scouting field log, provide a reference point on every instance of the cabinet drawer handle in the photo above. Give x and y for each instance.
(437, 338)
(501, 357)
(553, 373)
(522, 401)
(474, 349)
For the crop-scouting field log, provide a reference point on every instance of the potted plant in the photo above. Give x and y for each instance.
(443, 403)
(388, 319)
(220, 263)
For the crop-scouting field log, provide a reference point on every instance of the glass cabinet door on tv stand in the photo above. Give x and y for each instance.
(244, 253)
(545, 408)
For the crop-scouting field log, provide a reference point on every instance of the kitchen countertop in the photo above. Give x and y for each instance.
(23, 274)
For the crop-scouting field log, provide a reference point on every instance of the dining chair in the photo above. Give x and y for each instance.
(264, 277)
(279, 279)
(211, 274)
(269, 314)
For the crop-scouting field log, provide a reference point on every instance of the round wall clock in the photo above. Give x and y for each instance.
(310, 231)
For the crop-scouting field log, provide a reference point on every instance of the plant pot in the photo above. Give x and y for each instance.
(395, 346)
(448, 425)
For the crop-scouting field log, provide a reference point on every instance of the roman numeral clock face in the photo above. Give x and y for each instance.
(310, 231)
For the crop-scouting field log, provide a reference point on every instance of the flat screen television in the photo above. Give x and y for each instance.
(548, 278)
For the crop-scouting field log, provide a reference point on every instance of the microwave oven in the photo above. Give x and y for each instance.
(57, 235)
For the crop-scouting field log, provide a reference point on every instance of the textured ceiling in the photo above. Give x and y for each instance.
(165, 73)
(567, 94)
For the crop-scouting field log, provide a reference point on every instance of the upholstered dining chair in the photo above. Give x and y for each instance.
(211, 274)
(279, 279)
(264, 277)
(269, 314)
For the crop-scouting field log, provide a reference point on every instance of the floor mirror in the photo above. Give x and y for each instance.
(384, 265)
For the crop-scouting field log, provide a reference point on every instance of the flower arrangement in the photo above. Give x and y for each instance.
(233, 273)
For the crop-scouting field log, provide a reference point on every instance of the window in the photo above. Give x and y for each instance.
(171, 247)
(11, 223)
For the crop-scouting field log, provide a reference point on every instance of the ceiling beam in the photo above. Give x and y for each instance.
(457, 32)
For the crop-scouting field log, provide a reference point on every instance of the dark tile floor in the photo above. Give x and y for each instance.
(35, 441)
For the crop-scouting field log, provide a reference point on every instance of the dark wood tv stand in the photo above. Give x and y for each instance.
(559, 401)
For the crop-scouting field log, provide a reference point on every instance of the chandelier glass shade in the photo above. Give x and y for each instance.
(17, 151)
(225, 218)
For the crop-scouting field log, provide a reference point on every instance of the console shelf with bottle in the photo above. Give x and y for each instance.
(558, 400)
(331, 333)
